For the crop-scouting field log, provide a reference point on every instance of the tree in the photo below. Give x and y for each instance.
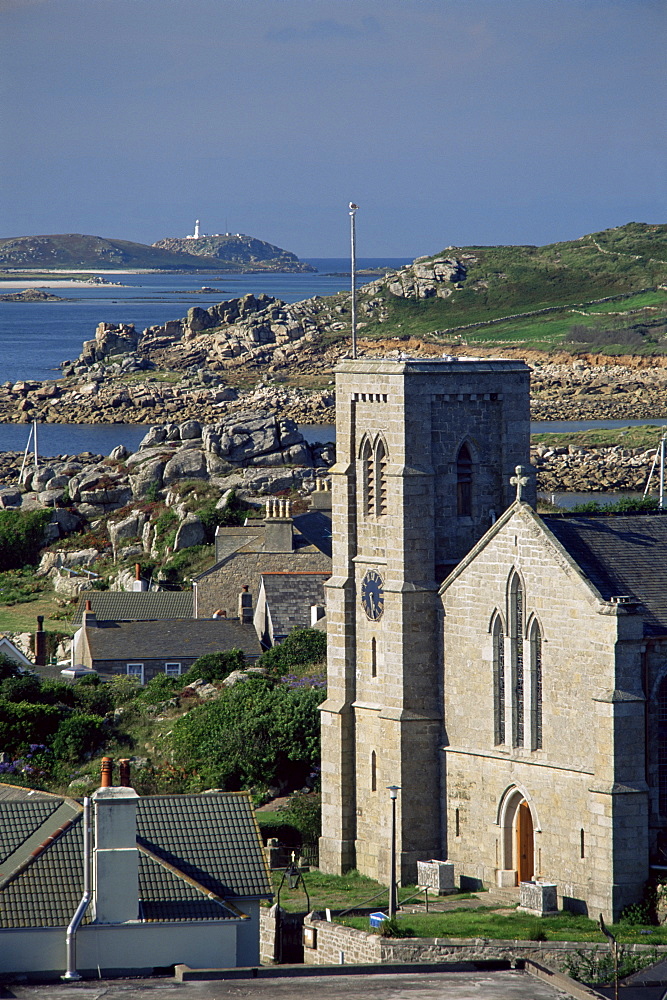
(302, 647)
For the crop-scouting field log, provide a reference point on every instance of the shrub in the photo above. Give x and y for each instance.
(215, 666)
(78, 736)
(23, 723)
(304, 813)
(21, 536)
(91, 696)
(8, 668)
(255, 732)
(302, 647)
(597, 967)
(25, 687)
(159, 688)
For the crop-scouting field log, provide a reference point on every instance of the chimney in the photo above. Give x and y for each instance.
(124, 767)
(245, 606)
(316, 612)
(107, 772)
(89, 616)
(320, 498)
(115, 859)
(278, 525)
(40, 643)
(138, 584)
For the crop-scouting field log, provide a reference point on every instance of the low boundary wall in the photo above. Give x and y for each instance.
(335, 944)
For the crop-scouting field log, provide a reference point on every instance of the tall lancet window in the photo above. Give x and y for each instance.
(499, 681)
(464, 482)
(662, 747)
(380, 478)
(536, 686)
(516, 635)
(368, 478)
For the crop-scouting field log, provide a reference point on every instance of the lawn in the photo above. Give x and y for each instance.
(339, 892)
(642, 436)
(485, 923)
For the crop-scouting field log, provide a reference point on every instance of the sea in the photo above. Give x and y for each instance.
(36, 337)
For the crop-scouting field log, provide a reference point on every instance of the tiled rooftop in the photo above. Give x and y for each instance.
(120, 605)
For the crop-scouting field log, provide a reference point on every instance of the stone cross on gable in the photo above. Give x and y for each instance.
(519, 480)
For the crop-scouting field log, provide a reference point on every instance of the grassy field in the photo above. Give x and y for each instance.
(641, 436)
(486, 923)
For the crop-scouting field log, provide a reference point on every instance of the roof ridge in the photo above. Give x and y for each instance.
(189, 880)
(23, 857)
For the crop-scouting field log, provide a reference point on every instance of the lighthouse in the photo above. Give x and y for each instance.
(196, 233)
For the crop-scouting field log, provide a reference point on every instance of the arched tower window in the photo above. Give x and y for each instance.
(516, 636)
(380, 470)
(367, 478)
(662, 747)
(464, 482)
(374, 773)
(374, 657)
(536, 686)
(499, 681)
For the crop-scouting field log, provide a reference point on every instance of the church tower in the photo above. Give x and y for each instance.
(425, 453)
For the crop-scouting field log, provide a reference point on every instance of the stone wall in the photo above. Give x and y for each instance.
(366, 948)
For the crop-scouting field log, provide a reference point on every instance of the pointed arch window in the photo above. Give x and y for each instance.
(374, 772)
(367, 477)
(380, 478)
(662, 747)
(499, 681)
(516, 618)
(464, 482)
(536, 686)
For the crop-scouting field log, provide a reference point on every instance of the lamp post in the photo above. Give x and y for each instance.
(353, 274)
(393, 792)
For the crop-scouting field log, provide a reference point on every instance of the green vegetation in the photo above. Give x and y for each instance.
(503, 282)
(486, 922)
(21, 537)
(338, 892)
(596, 967)
(301, 647)
(642, 436)
(256, 733)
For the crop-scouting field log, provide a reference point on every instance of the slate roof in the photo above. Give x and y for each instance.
(289, 597)
(621, 554)
(120, 605)
(315, 526)
(184, 638)
(190, 847)
(178, 830)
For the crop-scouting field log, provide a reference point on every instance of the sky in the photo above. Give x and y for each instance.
(449, 122)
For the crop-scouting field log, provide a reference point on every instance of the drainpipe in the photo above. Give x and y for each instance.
(75, 922)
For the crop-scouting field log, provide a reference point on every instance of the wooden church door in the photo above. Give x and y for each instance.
(524, 843)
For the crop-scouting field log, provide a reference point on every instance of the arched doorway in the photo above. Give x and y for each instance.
(518, 836)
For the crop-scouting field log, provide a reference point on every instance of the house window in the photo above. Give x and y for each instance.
(136, 670)
(499, 680)
(536, 686)
(374, 773)
(516, 636)
(172, 669)
(662, 748)
(464, 482)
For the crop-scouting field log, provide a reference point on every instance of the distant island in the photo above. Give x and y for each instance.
(230, 253)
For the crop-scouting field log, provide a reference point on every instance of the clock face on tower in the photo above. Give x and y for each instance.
(372, 594)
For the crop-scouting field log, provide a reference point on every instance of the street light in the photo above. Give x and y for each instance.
(353, 269)
(393, 792)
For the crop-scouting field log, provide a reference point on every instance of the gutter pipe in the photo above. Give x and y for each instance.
(71, 974)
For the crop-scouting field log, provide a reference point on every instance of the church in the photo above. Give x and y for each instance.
(508, 671)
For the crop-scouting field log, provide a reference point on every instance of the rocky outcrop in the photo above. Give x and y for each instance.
(236, 248)
(573, 469)
(110, 340)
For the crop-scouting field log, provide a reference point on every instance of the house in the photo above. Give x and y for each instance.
(171, 879)
(286, 601)
(144, 649)
(507, 671)
(279, 543)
